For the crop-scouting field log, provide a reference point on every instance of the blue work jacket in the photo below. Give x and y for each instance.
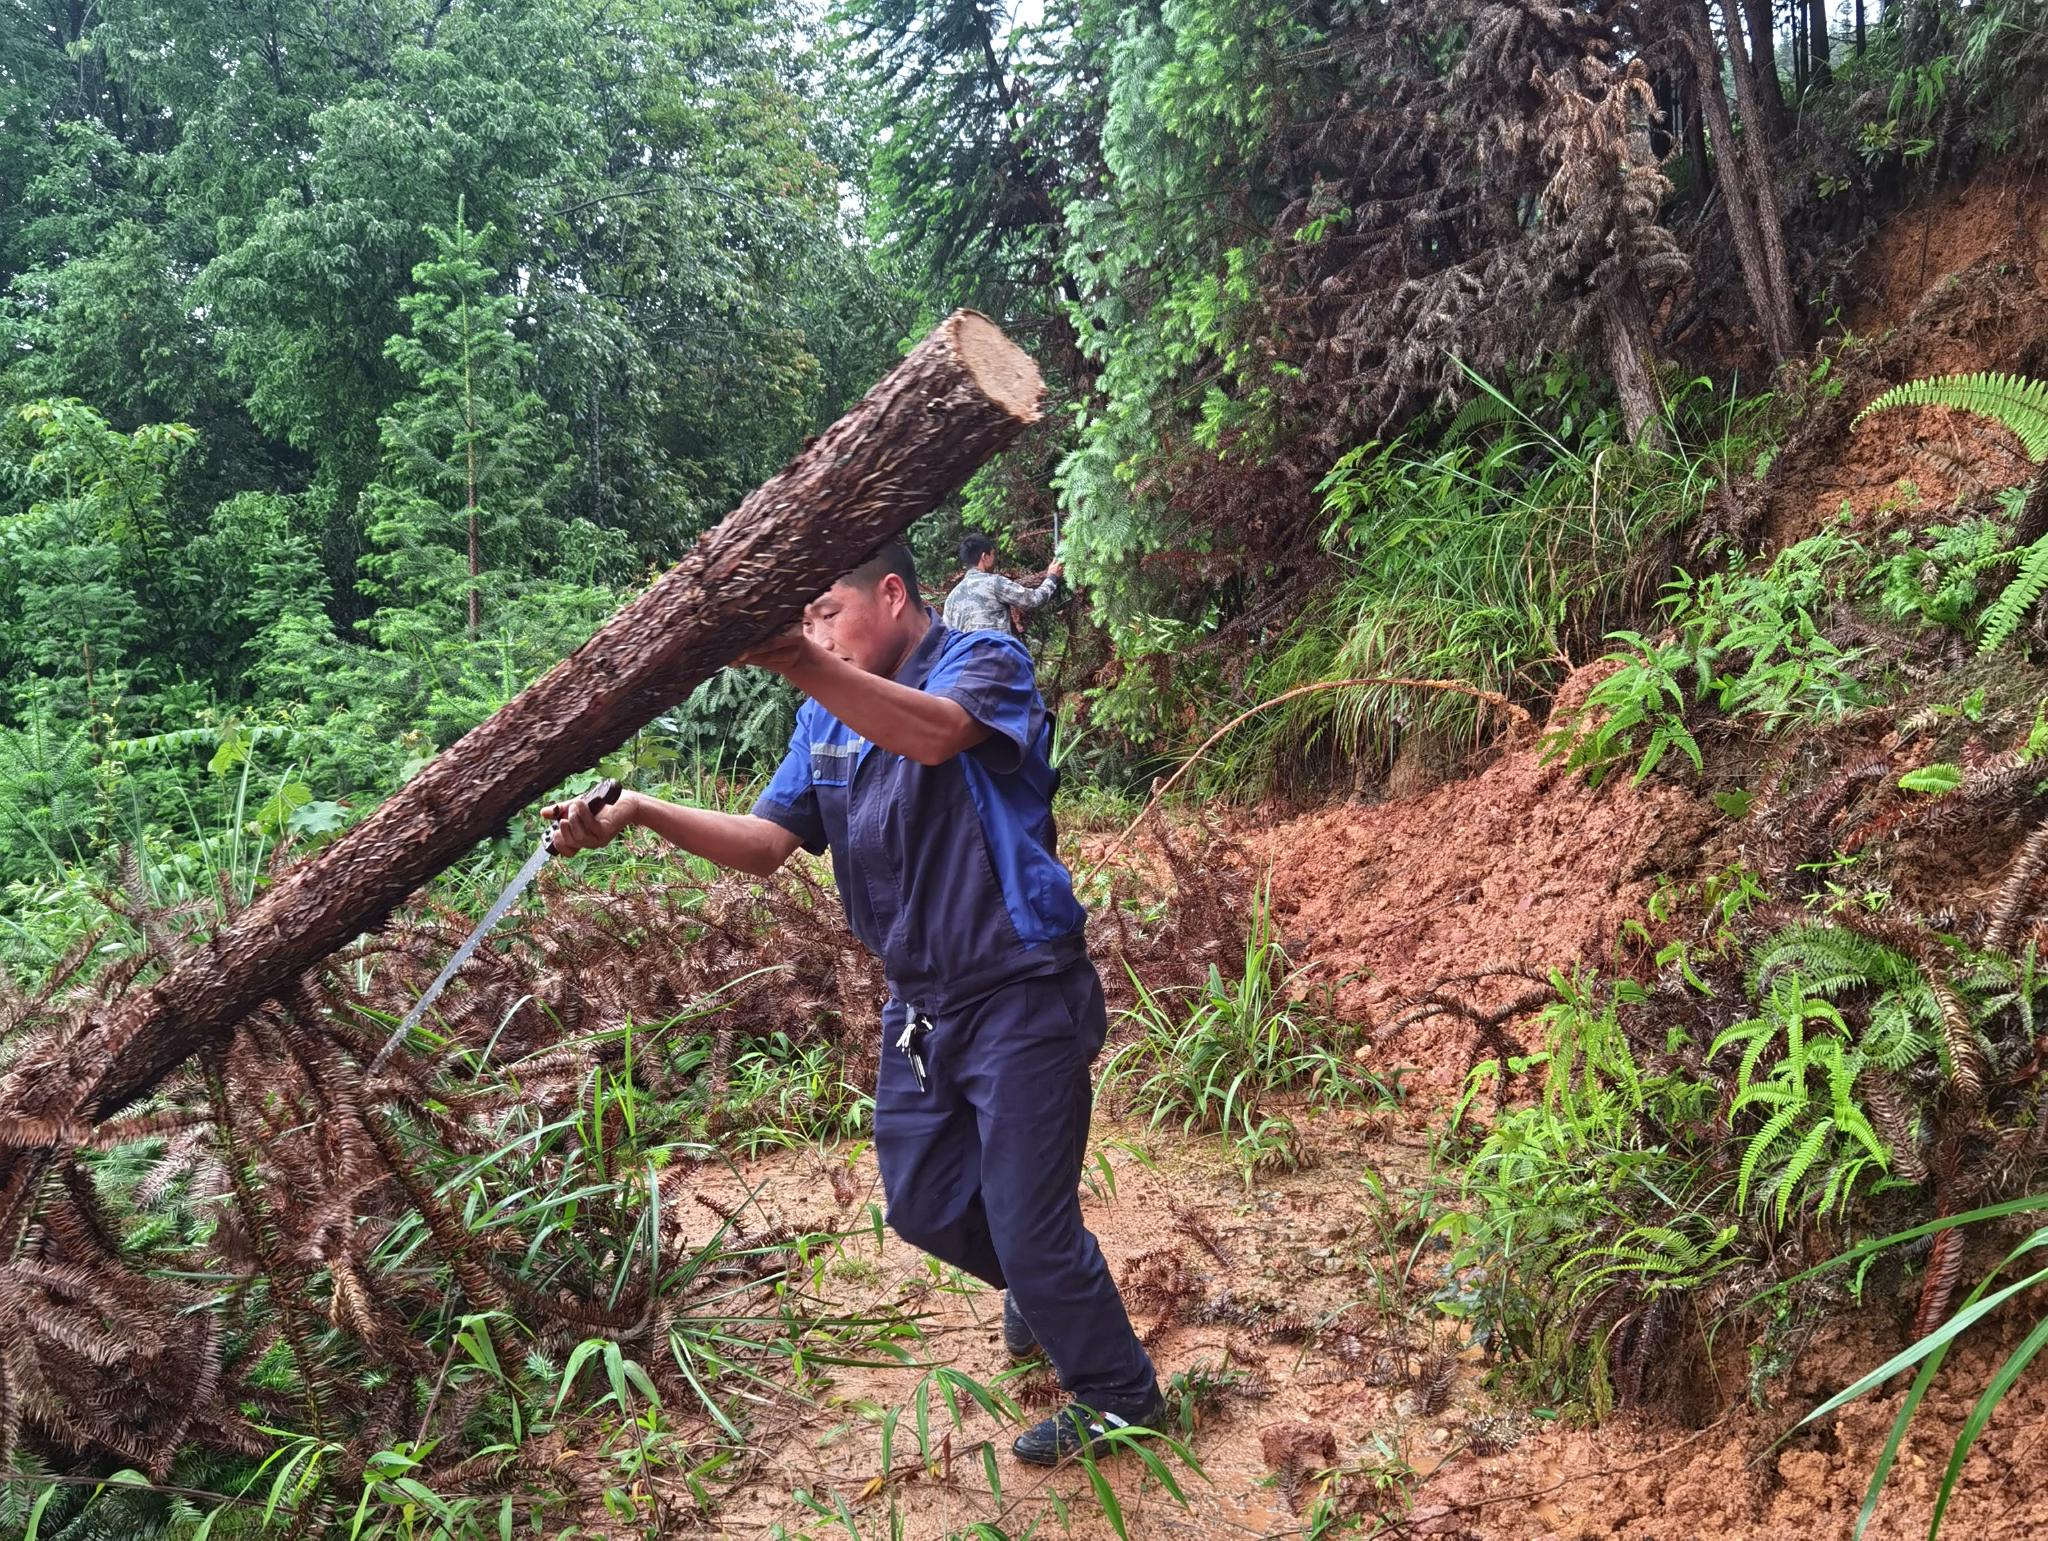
(949, 873)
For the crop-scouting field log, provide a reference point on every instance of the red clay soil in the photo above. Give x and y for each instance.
(1979, 304)
(1999, 214)
(1301, 1289)
(1521, 864)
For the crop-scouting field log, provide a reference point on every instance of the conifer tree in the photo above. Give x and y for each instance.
(469, 458)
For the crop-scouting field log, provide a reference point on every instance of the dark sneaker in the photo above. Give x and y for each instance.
(1073, 1429)
(1018, 1337)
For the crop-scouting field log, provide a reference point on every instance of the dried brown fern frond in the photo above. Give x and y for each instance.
(1967, 1069)
(1944, 1275)
(1891, 1114)
(1160, 1281)
(1436, 1380)
(1800, 832)
(1266, 1321)
(1199, 916)
(2017, 888)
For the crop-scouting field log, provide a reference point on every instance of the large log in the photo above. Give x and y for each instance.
(959, 397)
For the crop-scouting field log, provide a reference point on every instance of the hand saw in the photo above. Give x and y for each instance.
(597, 798)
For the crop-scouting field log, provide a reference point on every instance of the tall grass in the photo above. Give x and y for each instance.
(1496, 554)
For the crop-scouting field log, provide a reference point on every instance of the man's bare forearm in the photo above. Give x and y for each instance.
(919, 726)
(737, 840)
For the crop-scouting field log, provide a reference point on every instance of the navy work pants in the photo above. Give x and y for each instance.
(982, 1168)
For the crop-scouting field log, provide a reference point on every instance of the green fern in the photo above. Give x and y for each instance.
(1656, 1259)
(2021, 405)
(1805, 1141)
(2004, 614)
(1902, 1028)
(1760, 1142)
(1829, 961)
(2018, 403)
(1481, 411)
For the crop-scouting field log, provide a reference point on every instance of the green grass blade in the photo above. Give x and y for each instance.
(1980, 1415)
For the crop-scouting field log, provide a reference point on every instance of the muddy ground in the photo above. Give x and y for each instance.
(1306, 1288)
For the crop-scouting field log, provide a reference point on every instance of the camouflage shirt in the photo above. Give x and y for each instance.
(980, 601)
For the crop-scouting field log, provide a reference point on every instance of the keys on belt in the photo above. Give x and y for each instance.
(911, 1042)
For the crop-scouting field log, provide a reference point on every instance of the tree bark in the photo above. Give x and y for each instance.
(1758, 172)
(1860, 33)
(1696, 141)
(1817, 41)
(963, 394)
(1735, 185)
(1632, 360)
(1763, 48)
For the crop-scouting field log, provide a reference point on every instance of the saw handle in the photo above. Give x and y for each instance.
(597, 799)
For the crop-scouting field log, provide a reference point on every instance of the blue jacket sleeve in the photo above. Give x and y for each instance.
(989, 675)
(790, 801)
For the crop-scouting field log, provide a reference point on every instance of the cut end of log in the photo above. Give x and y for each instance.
(1003, 371)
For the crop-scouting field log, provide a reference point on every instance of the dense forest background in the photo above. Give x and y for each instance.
(355, 361)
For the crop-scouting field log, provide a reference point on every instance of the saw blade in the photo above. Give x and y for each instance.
(492, 916)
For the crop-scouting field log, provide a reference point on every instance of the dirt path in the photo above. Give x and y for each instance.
(1312, 1298)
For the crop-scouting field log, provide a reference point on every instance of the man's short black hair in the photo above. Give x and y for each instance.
(894, 558)
(973, 548)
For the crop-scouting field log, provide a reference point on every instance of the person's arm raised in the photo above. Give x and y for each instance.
(919, 726)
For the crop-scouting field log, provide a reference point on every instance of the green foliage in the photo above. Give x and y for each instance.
(1830, 1140)
(2017, 598)
(1645, 692)
(780, 1096)
(2013, 401)
(1751, 645)
(1603, 1193)
(1939, 582)
(1217, 1061)
(739, 718)
(468, 463)
(1933, 779)
(1938, 574)
(1662, 1155)
(1961, 554)
(276, 322)
(1478, 559)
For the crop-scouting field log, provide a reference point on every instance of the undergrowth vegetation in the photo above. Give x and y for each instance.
(1215, 1057)
(1803, 1060)
(1486, 553)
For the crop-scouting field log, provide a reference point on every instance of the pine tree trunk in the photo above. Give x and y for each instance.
(1696, 141)
(1758, 172)
(1735, 185)
(1817, 41)
(476, 565)
(1860, 37)
(1763, 48)
(963, 394)
(1632, 360)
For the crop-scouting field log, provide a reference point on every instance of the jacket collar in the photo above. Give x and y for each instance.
(917, 668)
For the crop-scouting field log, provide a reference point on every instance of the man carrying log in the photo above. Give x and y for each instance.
(920, 761)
